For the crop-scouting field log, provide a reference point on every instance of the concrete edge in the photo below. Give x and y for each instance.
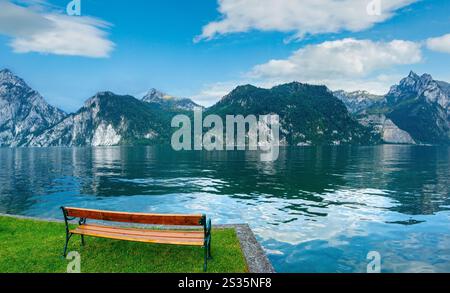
(255, 256)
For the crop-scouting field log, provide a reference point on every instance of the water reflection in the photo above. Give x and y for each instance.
(315, 209)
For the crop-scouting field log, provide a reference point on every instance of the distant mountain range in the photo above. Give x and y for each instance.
(417, 110)
(414, 112)
(357, 101)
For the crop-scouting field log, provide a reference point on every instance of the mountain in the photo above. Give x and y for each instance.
(309, 114)
(418, 105)
(444, 86)
(166, 101)
(108, 119)
(423, 88)
(417, 110)
(358, 100)
(23, 112)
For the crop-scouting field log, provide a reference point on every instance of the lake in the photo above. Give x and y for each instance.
(316, 209)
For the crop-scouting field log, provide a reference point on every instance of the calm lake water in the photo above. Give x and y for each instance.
(313, 210)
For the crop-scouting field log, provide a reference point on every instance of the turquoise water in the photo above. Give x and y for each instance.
(313, 210)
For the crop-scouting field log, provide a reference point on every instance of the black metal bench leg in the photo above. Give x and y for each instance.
(82, 240)
(209, 248)
(68, 236)
(205, 265)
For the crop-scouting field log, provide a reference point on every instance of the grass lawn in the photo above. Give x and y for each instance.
(28, 246)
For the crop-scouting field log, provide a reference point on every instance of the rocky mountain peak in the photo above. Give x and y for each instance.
(95, 100)
(357, 101)
(9, 81)
(23, 111)
(414, 78)
(420, 105)
(413, 75)
(4, 73)
(361, 93)
(426, 78)
(160, 98)
(240, 94)
(415, 86)
(414, 81)
(154, 95)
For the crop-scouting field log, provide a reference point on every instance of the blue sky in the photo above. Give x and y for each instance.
(204, 48)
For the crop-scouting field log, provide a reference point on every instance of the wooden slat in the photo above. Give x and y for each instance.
(141, 232)
(138, 218)
(141, 238)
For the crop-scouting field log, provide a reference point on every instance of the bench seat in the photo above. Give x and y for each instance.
(173, 236)
(176, 237)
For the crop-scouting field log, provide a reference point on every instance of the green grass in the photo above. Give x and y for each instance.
(28, 246)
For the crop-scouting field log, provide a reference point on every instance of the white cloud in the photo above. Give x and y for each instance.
(439, 44)
(349, 58)
(211, 93)
(300, 17)
(35, 29)
(347, 64)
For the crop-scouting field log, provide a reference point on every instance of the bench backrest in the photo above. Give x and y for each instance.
(138, 218)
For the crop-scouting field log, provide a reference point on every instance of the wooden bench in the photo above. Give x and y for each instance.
(200, 238)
